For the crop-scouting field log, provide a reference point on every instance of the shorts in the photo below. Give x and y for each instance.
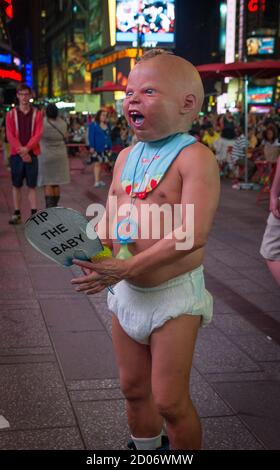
(100, 157)
(270, 247)
(21, 170)
(141, 310)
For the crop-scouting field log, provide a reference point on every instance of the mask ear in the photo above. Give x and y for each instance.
(189, 104)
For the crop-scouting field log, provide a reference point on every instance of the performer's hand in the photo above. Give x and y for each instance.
(275, 206)
(99, 274)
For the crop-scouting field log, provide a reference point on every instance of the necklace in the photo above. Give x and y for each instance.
(127, 222)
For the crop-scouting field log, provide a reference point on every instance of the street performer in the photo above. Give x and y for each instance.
(159, 298)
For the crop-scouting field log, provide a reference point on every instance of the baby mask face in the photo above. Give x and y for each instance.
(152, 104)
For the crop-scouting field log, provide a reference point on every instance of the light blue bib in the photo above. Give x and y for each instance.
(148, 162)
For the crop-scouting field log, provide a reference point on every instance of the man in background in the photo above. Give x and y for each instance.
(24, 128)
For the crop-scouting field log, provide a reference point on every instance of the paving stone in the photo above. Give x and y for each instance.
(96, 384)
(8, 242)
(219, 270)
(42, 439)
(25, 351)
(230, 258)
(274, 315)
(97, 421)
(216, 353)
(259, 347)
(244, 286)
(15, 283)
(70, 314)
(214, 244)
(22, 293)
(33, 396)
(205, 399)
(258, 405)
(96, 395)
(272, 369)
(261, 277)
(18, 303)
(28, 359)
(239, 376)
(52, 278)
(23, 328)
(7, 261)
(267, 302)
(85, 355)
(99, 302)
(222, 306)
(233, 325)
(228, 433)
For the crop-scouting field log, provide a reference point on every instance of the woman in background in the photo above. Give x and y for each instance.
(99, 138)
(53, 161)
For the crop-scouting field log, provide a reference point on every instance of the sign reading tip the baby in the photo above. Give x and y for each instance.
(60, 234)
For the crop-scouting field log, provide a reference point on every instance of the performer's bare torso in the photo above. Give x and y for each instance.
(168, 192)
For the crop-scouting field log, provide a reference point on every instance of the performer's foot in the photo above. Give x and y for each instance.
(164, 443)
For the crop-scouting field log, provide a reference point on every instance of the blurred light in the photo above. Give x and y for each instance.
(9, 9)
(230, 31)
(43, 14)
(5, 58)
(11, 74)
(223, 9)
(119, 95)
(29, 74)
(112, 21)
(64, 104)
(75, 8)
(17, 61)
(31, 100)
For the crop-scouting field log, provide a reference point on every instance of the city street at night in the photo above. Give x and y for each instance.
(139, 232)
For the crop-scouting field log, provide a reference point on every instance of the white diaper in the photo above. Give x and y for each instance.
(140, 310)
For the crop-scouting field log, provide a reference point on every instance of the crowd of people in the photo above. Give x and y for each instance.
(225, 135)
(100, 138)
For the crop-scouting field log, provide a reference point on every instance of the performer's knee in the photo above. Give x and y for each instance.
(171, 407)
(134, 390)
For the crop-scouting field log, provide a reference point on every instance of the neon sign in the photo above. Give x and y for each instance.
(11, 74)
(9, 8)
(256, 5)
(5, 58)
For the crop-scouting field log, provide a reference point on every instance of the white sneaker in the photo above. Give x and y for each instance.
(99, 184)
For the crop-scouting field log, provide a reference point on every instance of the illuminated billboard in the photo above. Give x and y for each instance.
(260, 45)
(260, 95)
(145, 22)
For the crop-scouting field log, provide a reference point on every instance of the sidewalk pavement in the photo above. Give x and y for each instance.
(58, 376)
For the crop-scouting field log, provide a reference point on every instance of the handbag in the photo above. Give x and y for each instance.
(61, 133)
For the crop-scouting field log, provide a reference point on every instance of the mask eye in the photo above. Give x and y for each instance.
(129, 93)
(149, 91)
